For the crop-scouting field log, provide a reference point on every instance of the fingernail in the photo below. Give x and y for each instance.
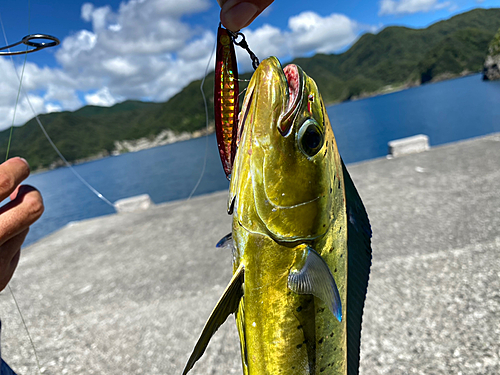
(239, 16)
(23, 159)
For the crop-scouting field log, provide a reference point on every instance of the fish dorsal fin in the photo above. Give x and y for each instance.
(358, 268)
(314, 277)
(227, 304)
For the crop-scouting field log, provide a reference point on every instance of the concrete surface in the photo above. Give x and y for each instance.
(129, 293)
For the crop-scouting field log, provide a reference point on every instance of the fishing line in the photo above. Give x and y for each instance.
(26, 329)
(242, 91)
(27, 40)
(15, 107)
(206, 119)
(87, 184)
(6, 157)
(61, 156)
(17, 97)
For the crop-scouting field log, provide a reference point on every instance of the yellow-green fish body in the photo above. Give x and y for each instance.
(298, 225)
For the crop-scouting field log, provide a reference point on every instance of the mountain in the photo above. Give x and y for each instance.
(394, 57)
(398, 56)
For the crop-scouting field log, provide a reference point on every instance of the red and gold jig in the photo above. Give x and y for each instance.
(226, 99)
(226, 94)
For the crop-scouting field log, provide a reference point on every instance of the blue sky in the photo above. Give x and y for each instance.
(149, 49)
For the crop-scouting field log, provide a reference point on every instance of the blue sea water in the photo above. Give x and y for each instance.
(446, 111)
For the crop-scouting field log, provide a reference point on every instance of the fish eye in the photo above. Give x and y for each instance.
(310, 137)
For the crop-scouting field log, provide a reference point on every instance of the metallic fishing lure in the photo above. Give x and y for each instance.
(226, 103)
(226, 94)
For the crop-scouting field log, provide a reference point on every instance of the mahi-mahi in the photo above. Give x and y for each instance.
(300, 235)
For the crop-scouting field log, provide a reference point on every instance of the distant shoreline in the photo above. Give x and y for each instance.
(389, 89)
(169, 137)
(125, 147)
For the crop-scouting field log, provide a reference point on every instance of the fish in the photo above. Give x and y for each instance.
(301, 237)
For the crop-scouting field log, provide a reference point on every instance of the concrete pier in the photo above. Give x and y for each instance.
(132, 204)
(409, 145)
(130, 293)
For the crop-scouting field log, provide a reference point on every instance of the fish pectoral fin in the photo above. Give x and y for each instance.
(314, 277)
(226, 242)
(227, 305)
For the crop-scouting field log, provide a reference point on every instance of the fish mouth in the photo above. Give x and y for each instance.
(294, 77)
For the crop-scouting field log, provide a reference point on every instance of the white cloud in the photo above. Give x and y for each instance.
(120, 66)
(52, 107)
(75, 46)
(307, 33)
(63, 97)
(23, 111)
(264, 42)
(101, 98)
(143, 51)
(146, 50)
(311, 32)
(9, 87)
(86, 12)
(9, 83)
(98, 16)
(411, 6)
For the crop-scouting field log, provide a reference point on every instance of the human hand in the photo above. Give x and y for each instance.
(25, 207)
(237, 14)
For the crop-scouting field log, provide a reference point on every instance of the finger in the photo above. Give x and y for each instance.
(19, 214)
(10, 253)
(12, 173)
(13, 195)
(237, 14)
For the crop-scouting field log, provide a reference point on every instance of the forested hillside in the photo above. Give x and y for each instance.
(394, 57)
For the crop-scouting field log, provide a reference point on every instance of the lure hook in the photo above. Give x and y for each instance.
(29, 40)
(243, 44)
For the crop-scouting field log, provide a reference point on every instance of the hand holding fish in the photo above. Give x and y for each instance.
(25, 207)
(237, 14)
